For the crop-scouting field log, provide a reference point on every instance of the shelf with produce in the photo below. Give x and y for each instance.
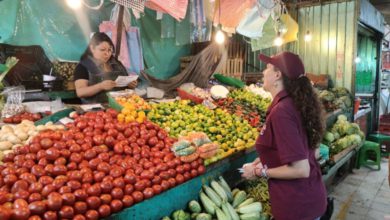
(343, 160)
(179, 196)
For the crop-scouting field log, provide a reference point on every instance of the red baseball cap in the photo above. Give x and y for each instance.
(288, 63)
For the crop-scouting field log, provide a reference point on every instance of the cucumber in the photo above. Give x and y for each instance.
(239, 198)
(220, 214)
(246, 202)
(226, 187)
(233, 213)
(235, 191)
(194, 206)
(255, 207)
(208, 205)
(203, 216)
(219, 190)
(226, 211)
(250, 216)
(186, 151)
(212, 195)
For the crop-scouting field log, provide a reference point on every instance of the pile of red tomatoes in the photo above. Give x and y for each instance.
(96, 167)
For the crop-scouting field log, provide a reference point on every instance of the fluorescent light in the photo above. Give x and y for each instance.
(357, 60)
(278, 40)
(308, 36)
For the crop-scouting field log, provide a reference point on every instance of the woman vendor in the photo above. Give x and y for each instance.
(97, 71)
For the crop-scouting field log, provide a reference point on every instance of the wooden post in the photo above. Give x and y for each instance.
(119, 26)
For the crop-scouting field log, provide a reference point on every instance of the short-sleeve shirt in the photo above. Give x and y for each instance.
(80, 72)
(283, 140)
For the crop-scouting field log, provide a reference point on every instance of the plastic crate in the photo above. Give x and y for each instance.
(185, 95)
(55, 117)
(113, 104)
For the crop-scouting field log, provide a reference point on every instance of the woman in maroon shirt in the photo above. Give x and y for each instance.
(286, 144)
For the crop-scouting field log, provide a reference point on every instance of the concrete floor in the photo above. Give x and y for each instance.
(363, 195)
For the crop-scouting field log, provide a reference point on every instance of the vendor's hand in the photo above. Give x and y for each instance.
(107, 85)
(133, 84)
(249, 171)
(255, 162)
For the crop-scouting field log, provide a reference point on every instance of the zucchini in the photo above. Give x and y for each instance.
(233, 213)
(208, 205)
(226, 187)
(219, 190)
(226, 211)
(239, 198)
(194, 215)
(212, 195)
(203, 216)
(194, 206)
(250, 216)
(166, 218)
(255, 207)
(246, 202)
(235, 191)
(220, 214)
(186, 151)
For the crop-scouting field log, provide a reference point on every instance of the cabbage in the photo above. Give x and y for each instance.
(327, 95)
(329, 137)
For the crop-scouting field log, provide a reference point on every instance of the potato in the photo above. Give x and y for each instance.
(7, 152)
(49, 123)
(16, 146)
(21, 135)
(5, 145)
(14, 139)
(51, 127)
(7, 128)
(60, 127)
(27, 122)
(4, 136)
(41, 128)
(1, 156)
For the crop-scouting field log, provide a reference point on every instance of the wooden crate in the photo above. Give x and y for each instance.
(233, 68)
(341, 154)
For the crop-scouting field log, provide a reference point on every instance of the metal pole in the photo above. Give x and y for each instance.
(119, 26)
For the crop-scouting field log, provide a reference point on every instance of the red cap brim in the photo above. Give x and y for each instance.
(265, 58)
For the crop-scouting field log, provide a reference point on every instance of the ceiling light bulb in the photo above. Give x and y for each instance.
(219, 37)
(74, 4)
(278, 40)
(308, 36)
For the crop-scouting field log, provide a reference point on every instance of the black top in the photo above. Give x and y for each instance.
(80, 72)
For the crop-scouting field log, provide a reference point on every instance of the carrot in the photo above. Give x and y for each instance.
(189, 158)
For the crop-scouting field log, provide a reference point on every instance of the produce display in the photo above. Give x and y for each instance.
(193, 146)
(231, 132)
(14, 136)
(130, 114)
(252, 99)
(258, 91)
(217, 201)
(16, 119)
(342, 135)
(190, 88)
(95, 168)
(258, 190)
(243, 109)
(133, 100)
(336, 98)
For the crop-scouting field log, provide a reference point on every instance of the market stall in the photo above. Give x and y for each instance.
(179, 143)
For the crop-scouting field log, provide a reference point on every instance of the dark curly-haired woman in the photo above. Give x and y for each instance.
(286, 144)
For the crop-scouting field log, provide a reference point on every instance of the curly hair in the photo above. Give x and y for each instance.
(309, 106)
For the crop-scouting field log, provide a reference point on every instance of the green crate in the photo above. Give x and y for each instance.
(55, 117)
(113, 104)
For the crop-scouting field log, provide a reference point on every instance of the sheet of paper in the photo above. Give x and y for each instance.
(91, 106)
(122, 81)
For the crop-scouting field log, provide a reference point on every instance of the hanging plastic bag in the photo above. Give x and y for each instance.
(292, 28)
(13, 106)
(252, 24)
(176, 8)
(200, 26)
(229, 13)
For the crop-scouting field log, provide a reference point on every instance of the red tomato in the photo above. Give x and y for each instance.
(127, 201)
(137, 196)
